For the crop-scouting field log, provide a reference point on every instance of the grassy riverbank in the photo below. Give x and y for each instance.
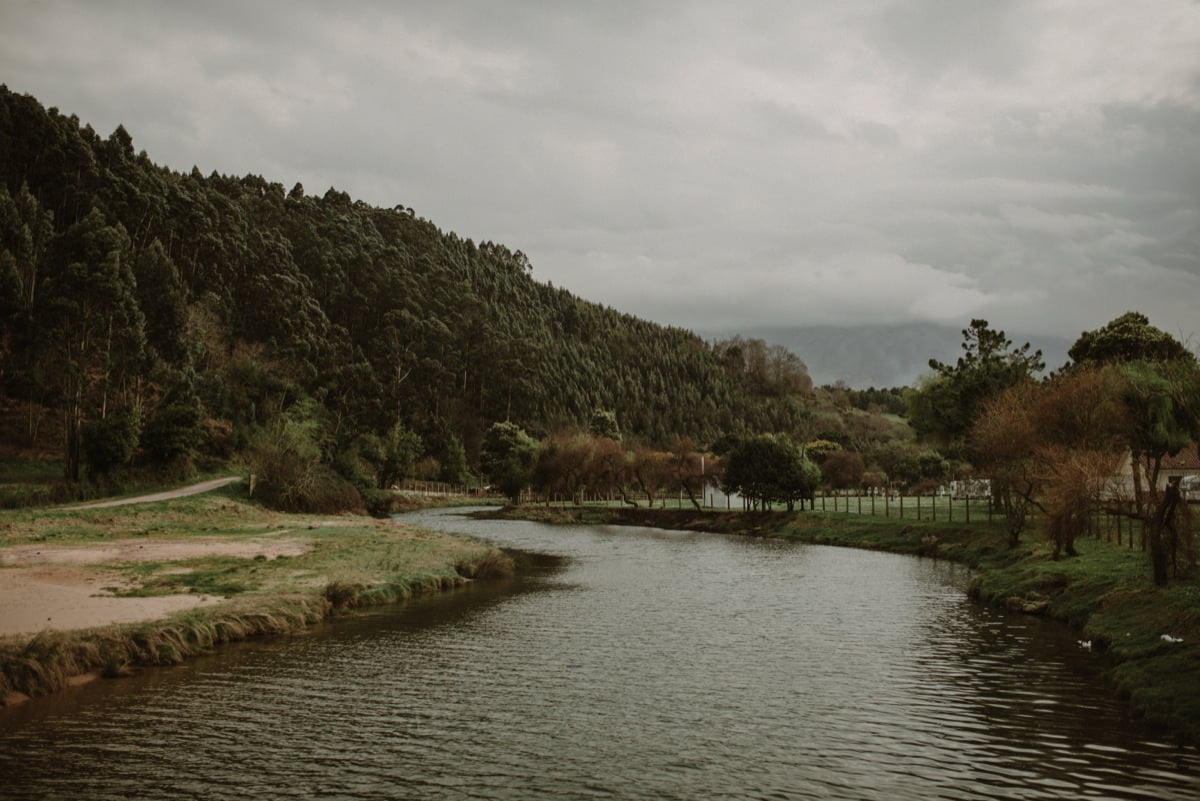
(1106, 592)
(244, 570)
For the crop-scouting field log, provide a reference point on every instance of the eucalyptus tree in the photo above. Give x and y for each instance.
(90, 328)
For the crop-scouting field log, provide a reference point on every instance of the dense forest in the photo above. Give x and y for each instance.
(158, 321)
(149, 314)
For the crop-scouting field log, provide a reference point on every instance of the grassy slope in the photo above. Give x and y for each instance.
(1106, 592)
(353, 561)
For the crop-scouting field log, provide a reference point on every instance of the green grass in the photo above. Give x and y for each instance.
(213, 575)
(30, 471)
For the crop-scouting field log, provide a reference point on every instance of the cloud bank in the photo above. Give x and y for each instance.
(1036, 163)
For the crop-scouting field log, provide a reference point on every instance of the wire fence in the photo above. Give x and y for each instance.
(413, 486)
(906, 507)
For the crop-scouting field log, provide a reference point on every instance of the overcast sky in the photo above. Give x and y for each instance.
(707, 164)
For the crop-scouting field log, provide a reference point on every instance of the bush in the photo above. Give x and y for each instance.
(173, 430)
(290, 476)
(379, 503)
(109, 442)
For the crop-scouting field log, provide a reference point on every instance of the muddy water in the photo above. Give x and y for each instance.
(643, 664)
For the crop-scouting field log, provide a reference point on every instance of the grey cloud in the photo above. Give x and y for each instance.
(699, 163)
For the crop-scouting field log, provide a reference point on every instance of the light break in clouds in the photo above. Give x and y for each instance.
(775, 163)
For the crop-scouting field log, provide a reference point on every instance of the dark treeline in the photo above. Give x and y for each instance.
(160, 313)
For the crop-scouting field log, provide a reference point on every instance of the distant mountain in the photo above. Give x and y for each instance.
(880, 355)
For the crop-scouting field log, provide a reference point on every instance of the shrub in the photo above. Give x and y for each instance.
(109, 442)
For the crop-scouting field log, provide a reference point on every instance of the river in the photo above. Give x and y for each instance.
(625, 664)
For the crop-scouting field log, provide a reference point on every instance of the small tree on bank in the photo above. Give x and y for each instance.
(766, 470)
(507, 458)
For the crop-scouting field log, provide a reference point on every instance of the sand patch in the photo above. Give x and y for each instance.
(35, 599)
(50, 588)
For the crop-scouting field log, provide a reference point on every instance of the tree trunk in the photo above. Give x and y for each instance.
(626, 499)
(1135, 467)
(1159, 555)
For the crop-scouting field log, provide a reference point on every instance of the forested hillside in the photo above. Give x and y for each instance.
(148, 314)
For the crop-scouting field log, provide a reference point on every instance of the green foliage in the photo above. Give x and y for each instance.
(87, 327)
(291, 473)
(766, 469)
(173, 428)
(820, 449)
(887, 401)
(401, 448)
(1164, 400)
(1128, 338)
(162, 298)
(946, 404)
(931, 465)
(108, 442)
(604, 424)
(453, 460)
(376, 314)
(508, 458)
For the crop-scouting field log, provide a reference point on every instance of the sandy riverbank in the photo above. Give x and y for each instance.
(102, 591)
(62, 588)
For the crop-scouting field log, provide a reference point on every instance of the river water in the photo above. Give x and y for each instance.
(625, 664)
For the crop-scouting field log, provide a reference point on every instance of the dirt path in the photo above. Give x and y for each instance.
(181, 492)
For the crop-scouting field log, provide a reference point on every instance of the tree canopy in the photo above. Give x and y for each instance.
(946, 404)
(1127, 338)
(117, 275)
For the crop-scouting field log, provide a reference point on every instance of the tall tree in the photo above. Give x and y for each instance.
(1162, 396)
(90, 326)
(945, 406)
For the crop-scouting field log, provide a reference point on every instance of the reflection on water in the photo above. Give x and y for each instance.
(649, 664)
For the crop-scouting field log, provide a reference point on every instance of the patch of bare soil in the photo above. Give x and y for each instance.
(44, 587)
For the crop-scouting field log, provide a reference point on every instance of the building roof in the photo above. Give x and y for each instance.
(1186, 459)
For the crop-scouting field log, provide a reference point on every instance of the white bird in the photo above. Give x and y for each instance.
(1169, 638)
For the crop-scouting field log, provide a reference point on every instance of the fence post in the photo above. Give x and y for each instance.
(968, 508)
(918, 507)
(887, 503)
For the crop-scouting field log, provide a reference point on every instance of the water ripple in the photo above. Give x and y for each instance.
(659, 665)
